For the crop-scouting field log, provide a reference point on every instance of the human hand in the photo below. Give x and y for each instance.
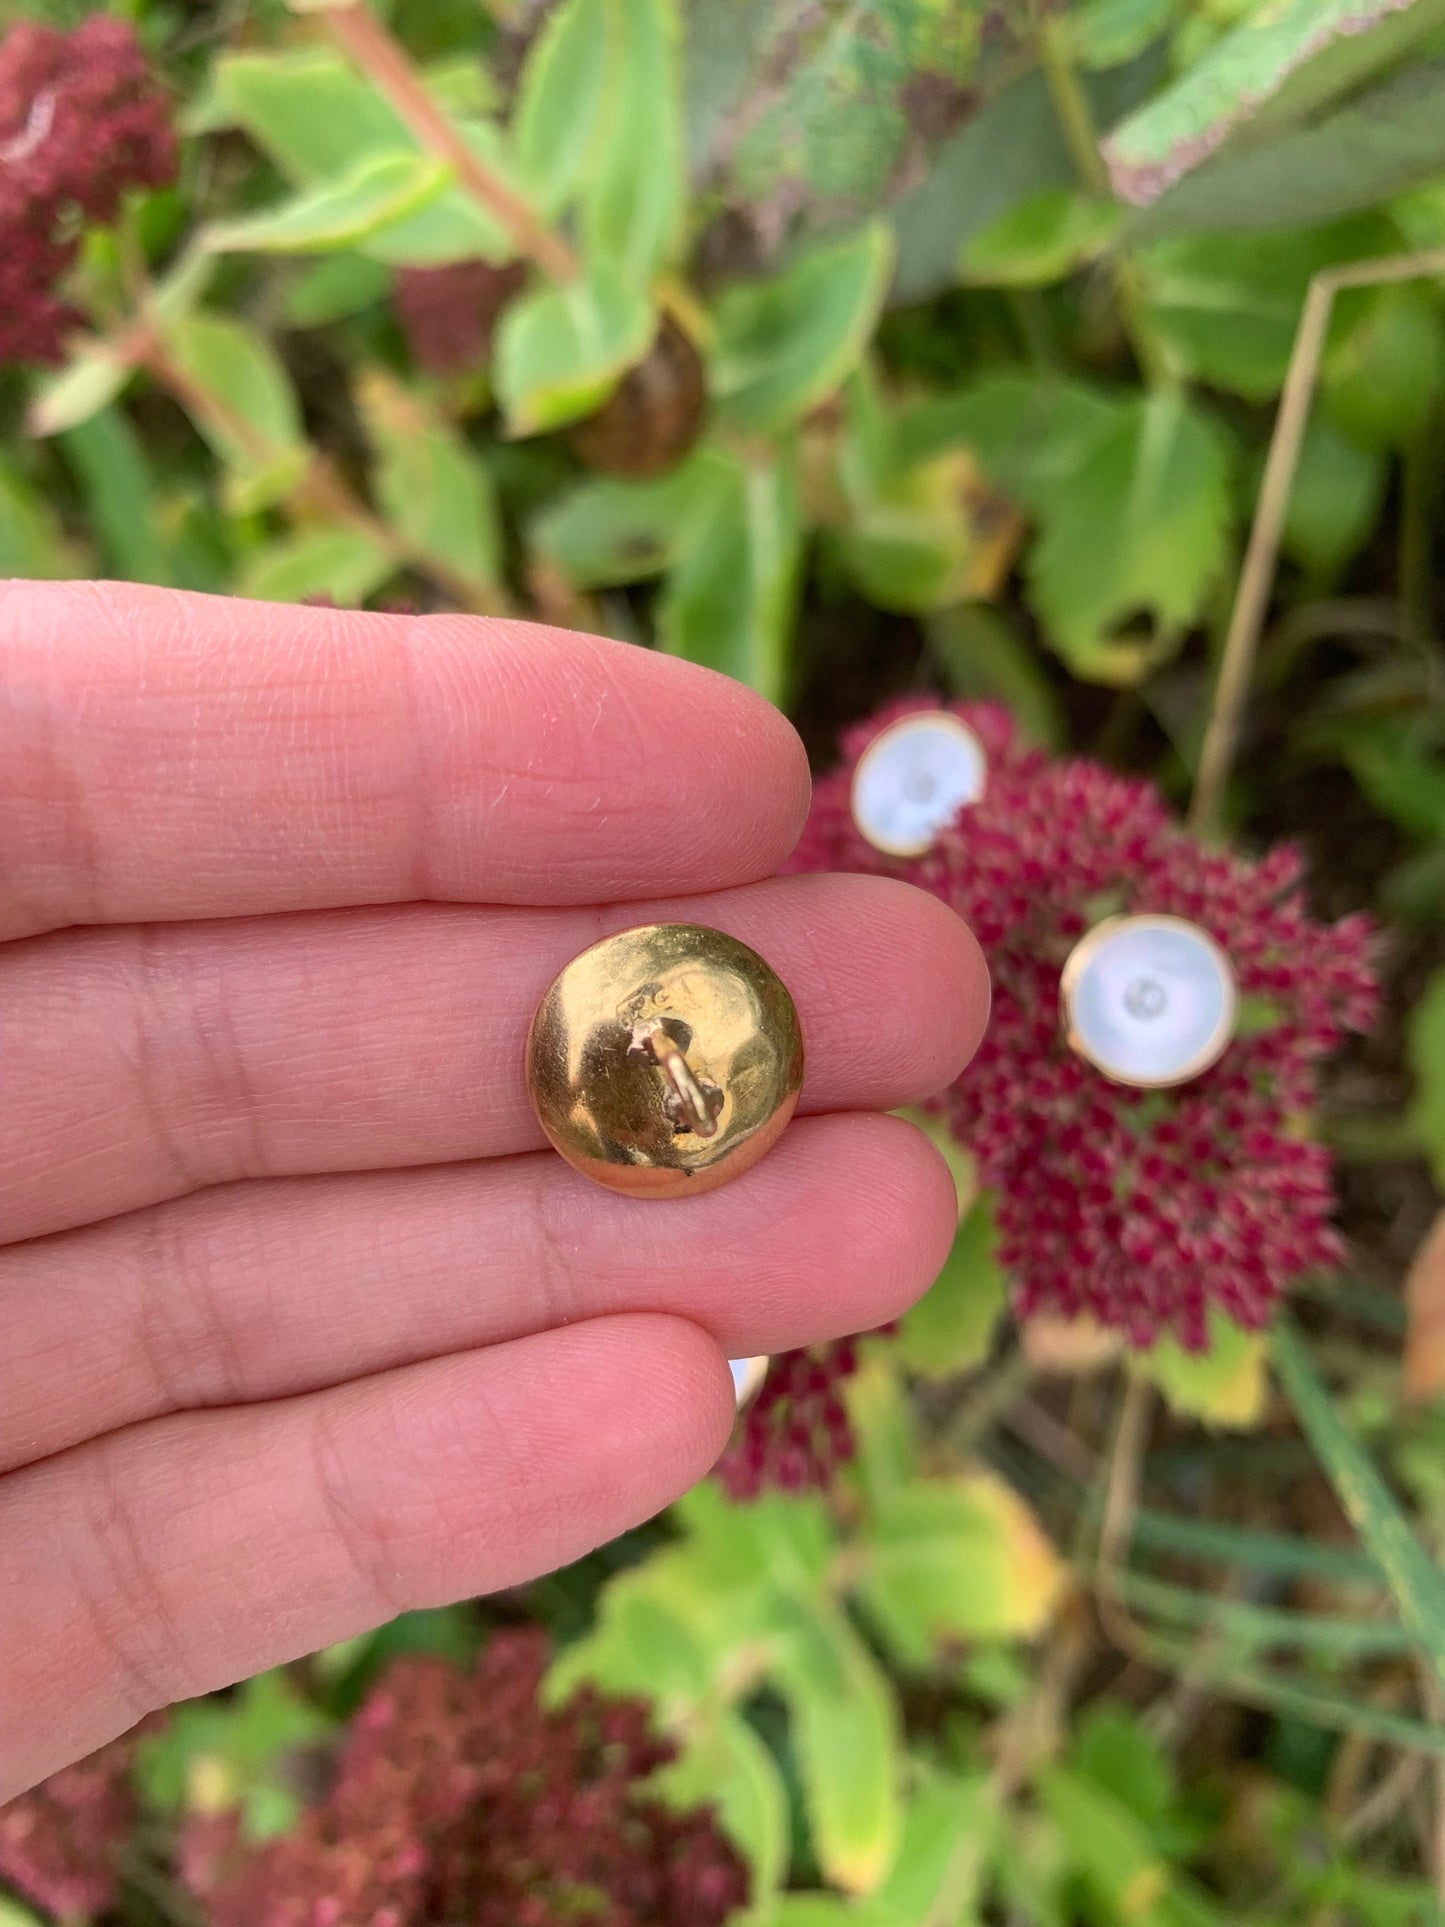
(299, 1327)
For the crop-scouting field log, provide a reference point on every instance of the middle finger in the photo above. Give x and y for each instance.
(141, 1064)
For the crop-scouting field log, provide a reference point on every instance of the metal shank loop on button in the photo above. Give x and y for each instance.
(665, 1060)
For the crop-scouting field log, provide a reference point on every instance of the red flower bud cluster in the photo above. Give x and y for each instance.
(1143, 1207)
(58, 1843)
(795, 1433)
(449, 314)
(81, 120)
(459, 1798)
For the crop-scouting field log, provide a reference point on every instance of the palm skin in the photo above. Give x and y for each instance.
(300, 1324)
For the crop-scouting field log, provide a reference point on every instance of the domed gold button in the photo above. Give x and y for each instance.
(665, 1061)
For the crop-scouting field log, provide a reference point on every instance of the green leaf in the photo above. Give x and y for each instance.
(32, 542)
(310, 111)
(983, 655)
(1223, 1386)
(1106, 33)
(1030, 433)
(1426, 1048)
(1379, 382)
(256, 429)
(1041, 240)
(1335, 503)
(642, 1644)
(343, 564)
(560, 98)
(846, 1733)
(785, 345)
(636, 190)
(948, 1834)
(607, 532)
(1115, 1750)
(1415, 1580)
(1286, 61)
(218, 1755)
(322, 123)
(1227, 309)
(109, 461)
(1399, 767)
(1116, 1856)
(375, 195)
(454, 227)
(1383, 142)
(89, 382)
(332, 289)
(951, 1327)
(12, 1914)
(430, 485)
(1140, 530)
(560, 350)
(956, 1559)
(724, 1763)
(731, 595)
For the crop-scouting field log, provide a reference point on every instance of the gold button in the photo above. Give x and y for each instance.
(665, 1061)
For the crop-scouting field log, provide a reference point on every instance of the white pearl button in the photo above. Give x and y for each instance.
(748, 1375)
(914, 778)
(1148, 1000)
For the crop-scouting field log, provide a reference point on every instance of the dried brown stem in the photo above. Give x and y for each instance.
(1256, 578)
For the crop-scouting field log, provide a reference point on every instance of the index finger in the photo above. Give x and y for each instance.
(167, 755)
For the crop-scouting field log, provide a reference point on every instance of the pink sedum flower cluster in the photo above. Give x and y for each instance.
(795, 1434)
(59, 1843)
(81, 121)
(460, 1798)
(1143, 1207)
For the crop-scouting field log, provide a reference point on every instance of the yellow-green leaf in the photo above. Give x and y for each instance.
(786, 344)
(957, 1559)
(731, 595)
(560, 350)
(950, 1329)
(377, 194)
(1225, 1385)
(560, 100)
(345, 565)
(846, 1734)
(1040, 240)
(431, 486)
(255, 423)
(723, 1762)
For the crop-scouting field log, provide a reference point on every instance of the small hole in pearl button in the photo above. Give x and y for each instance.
(1149, 1000)
(914, 778)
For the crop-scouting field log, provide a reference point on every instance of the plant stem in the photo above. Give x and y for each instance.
(385, 61)
(1418, 501)
(1256, 578)
(1081, 137)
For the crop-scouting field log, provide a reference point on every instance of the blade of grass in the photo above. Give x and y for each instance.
(1228, 1545)
(1240, 1623)
(1414, 1578)
(1280, 1693)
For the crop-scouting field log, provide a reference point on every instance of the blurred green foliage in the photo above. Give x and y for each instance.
(977, 317)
